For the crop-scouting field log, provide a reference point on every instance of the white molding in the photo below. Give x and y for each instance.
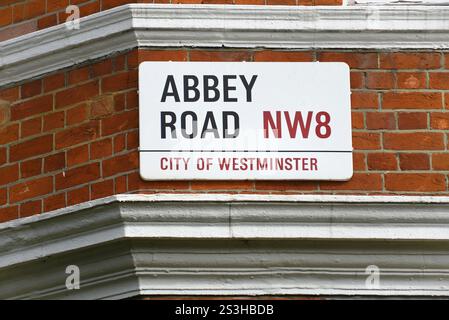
(221, 244)
(224, 26)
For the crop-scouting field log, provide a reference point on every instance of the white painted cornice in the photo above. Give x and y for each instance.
(223, 26)
(224, 244)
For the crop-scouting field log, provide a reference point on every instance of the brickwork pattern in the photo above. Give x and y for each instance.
(72, 136)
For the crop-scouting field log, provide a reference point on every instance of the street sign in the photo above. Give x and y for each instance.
(245, 121)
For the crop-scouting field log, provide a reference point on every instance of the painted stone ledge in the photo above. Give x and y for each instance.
(220, 244)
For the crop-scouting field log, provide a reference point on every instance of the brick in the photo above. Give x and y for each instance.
(199, 55)
(357, 80)
(364, 100)
(120, 122)
(9, 174)
(132, 59)
(77, 94)
(78, 75)
(440, 161)
(18, 13)
(102, 68)
(78, 196)
(411, 100)
(3, 196)
(426, 182)
(162, 55)
(53, 121)
(77, 176)
(118, 82)
(439, 120)
(357, 120)
(327, 2)
(56, 5)
(31, 189)
(34, 8)
(120, 185)
(379, 80)
(412, 120)
(284, 56)
(411, 80)
(132, 100)
(187, 1)
(223, 1)
(54, 202)
(120, 63)
(102, 189)
(135, 183)
(47, 21)
(120, 102)
(4, 112)
(101, 107)
(382, 161)
(278, 186)
(446, 60)
(5, 16)
(30, 208)
(401, 60)
(2, 156)
(446, 101)
(31, 89)
(77, 114)
(119, 143)
(32, 107)
(249, 2)
(101, 149)
(80, 134)
(355, 60)
(132, 140)
(31, 168)
(439, 80)
(17, 30)
(413, 141)
(122, 163)
(113, 3)
(89, 8)
(31, 148)
(31, 127)
(9, 213)
(226, 185)
(54, 82)
(54, 162)
(77, 155)
(414, 161)
(365, 140)
(359, 181)
(10, 94)
(9, 134)
(380, 120)
(358, 161)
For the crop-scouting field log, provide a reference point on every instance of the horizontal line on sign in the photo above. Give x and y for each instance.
(247, 151)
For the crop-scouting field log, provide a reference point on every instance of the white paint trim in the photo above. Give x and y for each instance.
(226, 197)
(224, 26)
(229, 245)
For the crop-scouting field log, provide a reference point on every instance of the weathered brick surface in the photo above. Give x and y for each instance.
(72, 136)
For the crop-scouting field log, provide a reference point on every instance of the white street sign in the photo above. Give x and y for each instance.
(245, 121)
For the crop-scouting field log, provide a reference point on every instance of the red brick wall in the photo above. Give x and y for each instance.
(72, 136)
(19, 17)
